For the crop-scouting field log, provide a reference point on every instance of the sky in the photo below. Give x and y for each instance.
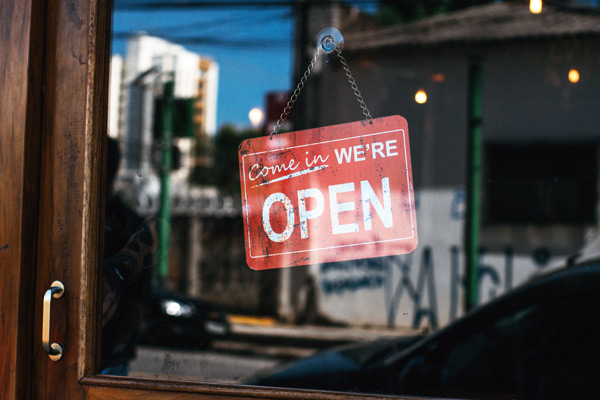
(251, 45)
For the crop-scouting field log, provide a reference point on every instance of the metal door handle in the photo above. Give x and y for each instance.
(54, 350)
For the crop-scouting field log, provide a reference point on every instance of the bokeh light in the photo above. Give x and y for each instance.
(255, 115)
(535, 6)
(421, 97)
(573, 76)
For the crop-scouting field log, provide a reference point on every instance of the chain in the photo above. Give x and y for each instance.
(294, 98)
(354, 87)
(290, 103)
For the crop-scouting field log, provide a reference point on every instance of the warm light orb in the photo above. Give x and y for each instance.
(421, 97)
(573, 76)
(255, 115)
(535, 6)
(438, 78)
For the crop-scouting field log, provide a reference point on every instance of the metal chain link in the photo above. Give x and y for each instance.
(294, 97)
(290, 103)
(354, 87)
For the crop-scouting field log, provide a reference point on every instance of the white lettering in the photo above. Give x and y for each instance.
(377, 149)
(359, 153)
(382, 207)
(345, 154)
(316, 159)
(368, 197)
(389, 146)
(312, 214)
(289, 209)
(274, 169)
(336, 208)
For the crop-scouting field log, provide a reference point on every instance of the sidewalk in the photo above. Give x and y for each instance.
(270, 331)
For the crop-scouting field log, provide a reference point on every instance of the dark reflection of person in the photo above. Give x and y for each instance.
(129, 250)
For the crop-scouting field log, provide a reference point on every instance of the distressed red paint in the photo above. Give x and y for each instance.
(336, 193)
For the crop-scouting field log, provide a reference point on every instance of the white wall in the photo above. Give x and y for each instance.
(212, 88)
(390, 291)
(114, 95)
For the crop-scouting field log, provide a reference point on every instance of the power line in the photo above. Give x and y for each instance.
(167, 5)
(244, 20)
(212, 41)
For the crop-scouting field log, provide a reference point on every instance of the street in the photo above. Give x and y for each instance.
(251, 349)
(197, 365)
(223, 362)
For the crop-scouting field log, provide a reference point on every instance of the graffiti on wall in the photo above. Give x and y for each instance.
(401, 283)
(368, 273)
(426, 286)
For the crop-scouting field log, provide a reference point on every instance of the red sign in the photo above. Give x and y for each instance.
(342, 192)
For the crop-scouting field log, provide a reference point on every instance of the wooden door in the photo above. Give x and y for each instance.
(53, 122)
(72, 55)
(20, 117)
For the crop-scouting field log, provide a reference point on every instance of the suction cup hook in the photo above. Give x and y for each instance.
(328, 40)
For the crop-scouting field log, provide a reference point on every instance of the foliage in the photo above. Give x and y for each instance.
(223, 170)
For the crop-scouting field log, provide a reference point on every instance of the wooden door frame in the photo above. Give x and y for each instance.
(77, 40)
(61, 105)
(21, 77)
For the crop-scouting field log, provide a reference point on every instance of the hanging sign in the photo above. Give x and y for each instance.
(336, 193)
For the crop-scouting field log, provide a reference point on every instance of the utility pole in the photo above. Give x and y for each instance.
(301, 59)
(164, 233)
(473, 215)
(288, 279)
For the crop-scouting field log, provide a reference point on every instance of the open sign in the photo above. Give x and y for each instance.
(328, 194)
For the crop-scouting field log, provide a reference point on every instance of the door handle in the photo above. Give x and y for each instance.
(54, 350)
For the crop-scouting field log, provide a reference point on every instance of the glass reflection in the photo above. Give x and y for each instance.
(130, 243)
(180, 300)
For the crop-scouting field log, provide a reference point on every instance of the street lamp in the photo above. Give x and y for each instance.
(255, 115)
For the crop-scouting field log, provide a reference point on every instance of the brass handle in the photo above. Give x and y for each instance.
(54, 350)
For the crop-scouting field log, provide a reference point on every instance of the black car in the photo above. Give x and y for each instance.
(539, 341)
(179, 320)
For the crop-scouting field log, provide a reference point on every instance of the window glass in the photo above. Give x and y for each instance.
(502, 139)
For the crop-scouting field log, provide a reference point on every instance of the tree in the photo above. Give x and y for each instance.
(223, 171)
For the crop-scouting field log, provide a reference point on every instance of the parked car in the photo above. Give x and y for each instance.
(179, 320)
(539, 341)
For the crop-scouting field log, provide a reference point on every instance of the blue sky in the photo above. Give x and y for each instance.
(245, 72)
(253, 47)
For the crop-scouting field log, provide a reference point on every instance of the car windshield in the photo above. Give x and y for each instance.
(308, 194)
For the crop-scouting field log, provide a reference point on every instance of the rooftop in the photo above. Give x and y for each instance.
(483, 24)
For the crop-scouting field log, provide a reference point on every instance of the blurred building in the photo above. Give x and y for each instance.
(205, 106)
(115, 90)
(137, 85)
(275, 104)
(540, 150)
(136, 92)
